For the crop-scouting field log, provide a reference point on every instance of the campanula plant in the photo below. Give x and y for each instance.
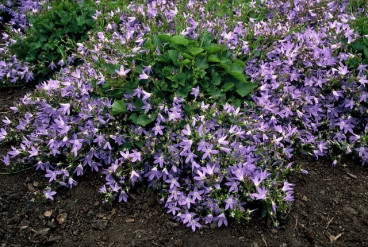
(53, 34)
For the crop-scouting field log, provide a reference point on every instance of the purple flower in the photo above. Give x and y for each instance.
(123, 196)
(221, 220)
(195, 92)
(34, 151)
(209, 152)
(79, 170)
(49, 194)
(261, 195)
(186, 131)
(287, 186)
(122, 72)
(135, 156)
(143, 76)
(193, 223)
(6, 160)
(154, 172)
(230, 203)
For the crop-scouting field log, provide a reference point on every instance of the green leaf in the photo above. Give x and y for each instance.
(214, 48)
(214, 58)
(216, 78)
(187, 56)
(201, 62)
(217, 93)
(179, 40)
(244, 89)
(141, 120)
(228, 86)
(195, 50)
(237, 72)
(358, 45)
(186, 62)
(118, 107)
(173, 54)
(164, 37)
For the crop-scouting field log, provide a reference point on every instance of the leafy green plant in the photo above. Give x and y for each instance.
(360, 25)
(53, 34)
(174, 66)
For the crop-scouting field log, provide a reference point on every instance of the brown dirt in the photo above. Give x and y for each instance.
(330, 209)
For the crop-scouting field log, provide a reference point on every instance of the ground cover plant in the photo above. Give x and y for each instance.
(207, 107)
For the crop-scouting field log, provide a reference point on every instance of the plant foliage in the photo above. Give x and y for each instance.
(175, 65)
(53, 34)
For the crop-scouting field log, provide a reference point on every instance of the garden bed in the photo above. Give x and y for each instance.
(246, 121)
(328, 202)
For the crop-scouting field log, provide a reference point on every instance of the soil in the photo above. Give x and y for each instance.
(330, 209)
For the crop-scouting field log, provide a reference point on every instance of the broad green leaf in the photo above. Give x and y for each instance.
(201, 62)
(228, 86)
(118, 107)
(179, 40)
(195, 50)
(366, 52)
(173, 54)
(214, 58)
(214, 48)
(244, 89)
(186, 55)
(141, 120)
(239, 62)
(237, 72)
(358, 45)
(217, 93)
(164, 37)
(186, 61)
(216, 78)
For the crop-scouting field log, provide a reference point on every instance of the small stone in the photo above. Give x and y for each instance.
(61, 218)
(274, 231)
(351, 210)
(322, 192)
(48, 213)
(30, 187)
(99, 224)
(304, 199)
(14, 219)
(129, 220)
(54, 239)
(42, 232)
(172, 224)
(35, 184)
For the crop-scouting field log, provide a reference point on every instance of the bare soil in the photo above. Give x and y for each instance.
(330, 209)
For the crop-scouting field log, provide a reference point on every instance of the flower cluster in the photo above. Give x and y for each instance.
(13, 17)
(208, 162)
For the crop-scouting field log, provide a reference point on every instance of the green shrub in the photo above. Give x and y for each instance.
(53, 34)
(177, 66)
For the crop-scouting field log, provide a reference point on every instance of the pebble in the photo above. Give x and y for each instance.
(14, 219)
(42, 232)
(99, 224)
(350, 210)
(61, 218)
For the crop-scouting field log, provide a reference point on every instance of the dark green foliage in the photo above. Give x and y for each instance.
(360, 25)
(178, 65)
(54, 33)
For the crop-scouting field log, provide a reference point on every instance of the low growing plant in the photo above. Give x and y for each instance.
(53, 34)
(171, 66)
